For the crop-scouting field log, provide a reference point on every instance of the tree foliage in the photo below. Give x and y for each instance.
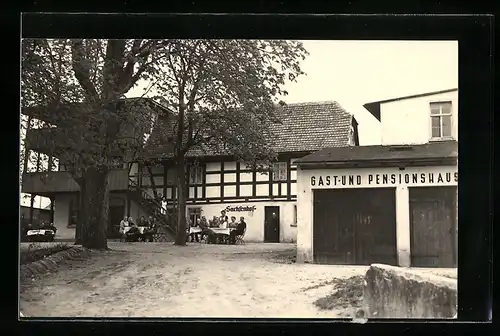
(224, 95)
(79, 85)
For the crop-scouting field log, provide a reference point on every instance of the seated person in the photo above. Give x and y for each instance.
(52, 227)
(142, 221)
(123, 225)
(240, 229)
(233, 224)
(212, 239)
(195, 236)
(150, 230)
(203, 221)
(214, 222)
(134, 234)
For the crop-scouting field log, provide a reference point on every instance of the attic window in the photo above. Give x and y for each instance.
(351, 137)
(401, 148)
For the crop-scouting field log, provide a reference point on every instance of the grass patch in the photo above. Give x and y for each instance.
(37, 251)
(347, 293)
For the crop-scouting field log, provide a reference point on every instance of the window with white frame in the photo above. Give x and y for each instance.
(441, 116)
(279, 171)
(196, 174)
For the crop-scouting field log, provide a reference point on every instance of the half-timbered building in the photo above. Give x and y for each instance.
(216, 182)
(267, 200)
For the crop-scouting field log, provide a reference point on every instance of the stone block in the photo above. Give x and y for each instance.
(395, 292)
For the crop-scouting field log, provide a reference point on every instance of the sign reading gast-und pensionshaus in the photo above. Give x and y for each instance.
(384, 178)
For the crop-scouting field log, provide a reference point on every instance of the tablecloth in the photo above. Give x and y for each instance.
(141, 229)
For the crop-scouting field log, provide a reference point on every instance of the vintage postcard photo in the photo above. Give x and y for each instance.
(213, 178)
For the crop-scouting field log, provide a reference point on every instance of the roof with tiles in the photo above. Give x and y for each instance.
(303, 127)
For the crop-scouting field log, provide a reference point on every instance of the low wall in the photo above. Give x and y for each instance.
(395, 292)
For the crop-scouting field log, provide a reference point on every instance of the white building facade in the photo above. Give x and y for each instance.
(395, 203)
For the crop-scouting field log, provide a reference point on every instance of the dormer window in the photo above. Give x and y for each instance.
(441, 119)
(351, 137)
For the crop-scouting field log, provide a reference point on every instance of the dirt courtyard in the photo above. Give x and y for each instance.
(198, 280)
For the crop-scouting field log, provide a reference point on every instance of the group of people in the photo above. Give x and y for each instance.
(42, 225)
(238, 229)
(129, 230)
(134, 233)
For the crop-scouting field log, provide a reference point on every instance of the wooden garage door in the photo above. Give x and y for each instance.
(355, 226)
(433, 213)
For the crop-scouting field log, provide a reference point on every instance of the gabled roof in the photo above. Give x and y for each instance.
(303, 127)
(374, 107)
(372, 156)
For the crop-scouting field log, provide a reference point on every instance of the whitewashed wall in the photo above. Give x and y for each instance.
(401, 180)
(61, 216)
(408, 121)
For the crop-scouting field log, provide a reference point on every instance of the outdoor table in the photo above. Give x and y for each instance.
(222, 231)
(141, 229)
(36, 232)
(194, 229)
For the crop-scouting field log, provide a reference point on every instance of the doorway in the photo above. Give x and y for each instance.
(354, 226)
(433, 226)
(115, 215)
(272, 224)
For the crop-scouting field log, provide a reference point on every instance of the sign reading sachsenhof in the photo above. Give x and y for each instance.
(384, 179)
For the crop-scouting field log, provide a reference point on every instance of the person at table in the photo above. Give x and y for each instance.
(240, 229)
(214, 222)
(150, 230)
(52, 227)
(205, 230)
(193, 236)
(203, 222)
(123, 225)
(134, 234)
(142, 222)
(223, 220)
(233, 224)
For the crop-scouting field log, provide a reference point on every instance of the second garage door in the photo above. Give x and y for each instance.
(355, 226)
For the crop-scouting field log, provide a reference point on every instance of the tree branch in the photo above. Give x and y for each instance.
(81, 69)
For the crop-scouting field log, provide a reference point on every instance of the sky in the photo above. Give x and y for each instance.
(354, 73)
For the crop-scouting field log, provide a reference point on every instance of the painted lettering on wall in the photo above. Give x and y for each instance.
(240, 208)
(384, 179)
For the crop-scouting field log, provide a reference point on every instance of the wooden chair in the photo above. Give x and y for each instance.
(240, 239)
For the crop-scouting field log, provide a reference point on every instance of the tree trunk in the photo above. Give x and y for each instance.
(180, 238)
(94, 210)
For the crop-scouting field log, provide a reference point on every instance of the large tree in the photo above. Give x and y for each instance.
(79, 84)
(224, 95)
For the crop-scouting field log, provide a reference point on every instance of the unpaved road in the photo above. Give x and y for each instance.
(198, 280)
